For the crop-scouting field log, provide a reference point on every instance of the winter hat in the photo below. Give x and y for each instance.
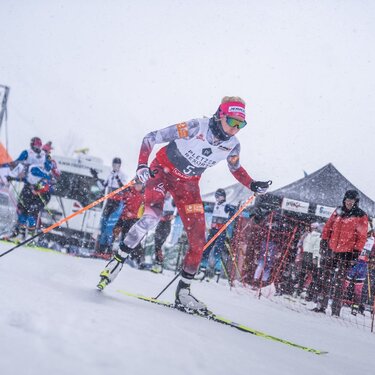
(352, 194)
(36, 142)
(116, 161)
(47, 147)
(220, 193)
(314, 225)
(232, 109)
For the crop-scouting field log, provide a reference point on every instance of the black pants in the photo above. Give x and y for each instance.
(334, 268)
(309, 267)
(161, 233)
(124, 225)
(30, 204)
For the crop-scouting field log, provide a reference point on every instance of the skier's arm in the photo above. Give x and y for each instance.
(37, 172)
(48, 163)
(233, 159)
(186, 130)
(236, 169)
(23, 156)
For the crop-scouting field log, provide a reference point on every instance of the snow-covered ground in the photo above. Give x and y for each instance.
(53, 321)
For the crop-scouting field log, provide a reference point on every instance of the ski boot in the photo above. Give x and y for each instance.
(202, 274)
(111, 270)
(319, 308)
(32, 243)
(185, 301)
(361, 309)
(217, 275)
(17, 236)
(157, 268)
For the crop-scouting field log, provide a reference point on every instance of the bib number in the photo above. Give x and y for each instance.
(189, 169)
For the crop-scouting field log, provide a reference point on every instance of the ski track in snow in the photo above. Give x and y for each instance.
(53, 321)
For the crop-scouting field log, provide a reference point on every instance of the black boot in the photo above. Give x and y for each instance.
(185, 300)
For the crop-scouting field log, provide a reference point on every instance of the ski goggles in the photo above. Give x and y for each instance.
(232, 122)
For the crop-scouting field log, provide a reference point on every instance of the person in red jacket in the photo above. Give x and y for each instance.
(192, 147)
(344, 236)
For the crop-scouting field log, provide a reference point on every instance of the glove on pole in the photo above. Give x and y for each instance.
(65, 219)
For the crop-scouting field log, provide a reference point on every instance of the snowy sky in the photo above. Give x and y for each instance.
(102, 74)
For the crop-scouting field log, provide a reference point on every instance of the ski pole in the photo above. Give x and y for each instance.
(65, 219)
(265, 254)
(368, 283)
(169, 284)
(221, 230)
(17, 194)
(233, 259)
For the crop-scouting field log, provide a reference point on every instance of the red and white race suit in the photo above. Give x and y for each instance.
(177, 168)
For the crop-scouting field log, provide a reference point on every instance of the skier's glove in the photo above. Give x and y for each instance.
(94, 173)
(260, 187)
(144, 173)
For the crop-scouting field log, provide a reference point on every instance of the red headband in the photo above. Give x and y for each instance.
(232, 109)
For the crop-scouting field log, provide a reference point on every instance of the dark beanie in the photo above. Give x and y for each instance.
(352, 194)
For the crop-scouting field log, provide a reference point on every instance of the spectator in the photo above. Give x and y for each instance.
(369, 287)
(269, 253)
(344, 236)
(357, 276)
(308, 260)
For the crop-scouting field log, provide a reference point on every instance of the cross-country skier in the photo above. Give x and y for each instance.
(33, 156)
(34, 196)
(220, 216)
(193, 146)
(115, 180)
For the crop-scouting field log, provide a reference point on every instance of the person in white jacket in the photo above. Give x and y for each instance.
(308, 262)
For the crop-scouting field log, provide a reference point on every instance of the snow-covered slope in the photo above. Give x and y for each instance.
(53, 321)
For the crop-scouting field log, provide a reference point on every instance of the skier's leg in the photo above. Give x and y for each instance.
(25, 206)
(161, 233)
(154, 200)
(218, 250)
(206, 254)
(189, 204)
